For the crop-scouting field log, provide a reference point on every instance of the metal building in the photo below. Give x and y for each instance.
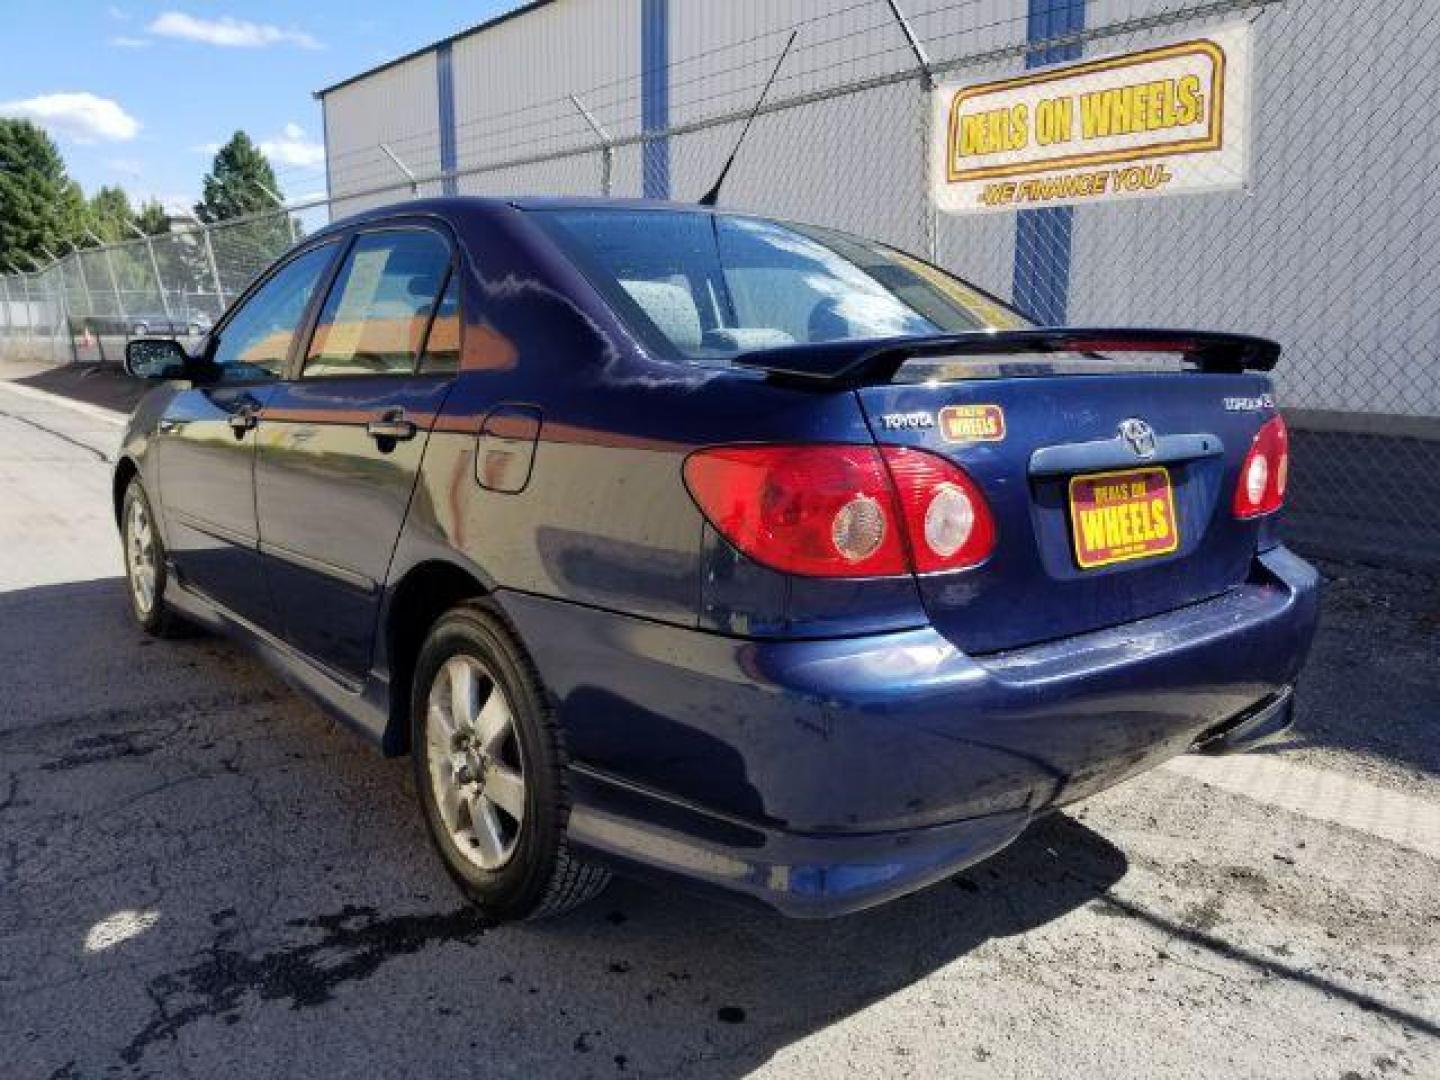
(1331, 247)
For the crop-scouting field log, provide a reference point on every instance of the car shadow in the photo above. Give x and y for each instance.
(269, 864)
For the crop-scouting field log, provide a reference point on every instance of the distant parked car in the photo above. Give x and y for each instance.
(694, 542)
(161, 324)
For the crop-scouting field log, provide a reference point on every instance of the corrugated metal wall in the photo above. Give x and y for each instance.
(398, 107)
(512, 83)
(1275, 260)
(1336, 240)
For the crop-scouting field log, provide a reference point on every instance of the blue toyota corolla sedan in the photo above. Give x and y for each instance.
(676, 540)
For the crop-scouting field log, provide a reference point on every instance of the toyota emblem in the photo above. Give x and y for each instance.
(1139, 436)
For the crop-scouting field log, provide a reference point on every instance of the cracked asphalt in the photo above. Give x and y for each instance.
(201, 875)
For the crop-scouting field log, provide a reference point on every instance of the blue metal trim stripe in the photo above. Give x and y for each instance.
(445, 92)
(655, 96)
(1043, 237)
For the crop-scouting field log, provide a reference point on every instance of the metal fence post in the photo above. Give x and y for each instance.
(154, 268)
(114, 278)
(214, 268)
(5, 281)
(84, 279)
(29, 310)
(607, 149)
(930, 224)
(20, 275)
(59, 303)
(280, 206)
(410, 176)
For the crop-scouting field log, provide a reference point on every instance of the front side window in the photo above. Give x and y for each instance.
(711, 286)
(256, 340)
(375, 319)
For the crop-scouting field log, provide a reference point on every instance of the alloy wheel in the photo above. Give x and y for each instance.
(140, 556)
(476, 767)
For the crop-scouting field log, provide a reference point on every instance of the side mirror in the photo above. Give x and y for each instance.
(155, 358)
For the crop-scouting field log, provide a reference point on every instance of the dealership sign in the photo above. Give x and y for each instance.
(1171, 120)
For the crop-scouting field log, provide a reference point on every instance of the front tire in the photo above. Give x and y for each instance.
(145, 574)
(489, 767)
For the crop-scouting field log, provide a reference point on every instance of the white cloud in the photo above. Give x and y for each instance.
(292, 148)
(119, 14)
(228, 32)
(84, 117)
(123, 41)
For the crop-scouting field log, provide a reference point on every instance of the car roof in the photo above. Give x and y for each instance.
(453, 207)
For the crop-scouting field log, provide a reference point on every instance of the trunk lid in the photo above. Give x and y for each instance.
(1071, 554)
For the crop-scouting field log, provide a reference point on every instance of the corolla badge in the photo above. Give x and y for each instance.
(1139, 436)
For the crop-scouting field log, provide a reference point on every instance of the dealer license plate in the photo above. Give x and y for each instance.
(1119, 516)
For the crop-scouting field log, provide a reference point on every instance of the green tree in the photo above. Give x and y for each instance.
(110, 214)
(40, 206)
(151, 219)
(240, 182)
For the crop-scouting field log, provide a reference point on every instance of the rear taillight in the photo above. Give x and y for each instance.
(843, 511)
(947, 520)
(1265, 471)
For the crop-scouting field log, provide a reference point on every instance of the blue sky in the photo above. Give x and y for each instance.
(136, 93)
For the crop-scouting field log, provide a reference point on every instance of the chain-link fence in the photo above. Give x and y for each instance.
(82, 307)
(1329, 247)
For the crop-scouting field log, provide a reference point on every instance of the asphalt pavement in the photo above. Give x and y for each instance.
(202, 876)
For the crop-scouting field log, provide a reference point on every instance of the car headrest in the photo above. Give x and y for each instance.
(670, 307)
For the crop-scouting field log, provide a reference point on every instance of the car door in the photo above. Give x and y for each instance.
(340, 442)
(204, 443)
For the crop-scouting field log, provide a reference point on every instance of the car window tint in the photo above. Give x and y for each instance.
(710, 286)
(375, 317)
(256, 340)
(442, 347)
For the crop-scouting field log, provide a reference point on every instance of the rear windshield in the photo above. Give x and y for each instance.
(709, 286)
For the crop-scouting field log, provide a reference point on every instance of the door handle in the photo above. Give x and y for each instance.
(241, 421)
(391, 425)
(167, 427)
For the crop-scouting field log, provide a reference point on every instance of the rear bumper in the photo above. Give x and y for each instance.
(821, 777)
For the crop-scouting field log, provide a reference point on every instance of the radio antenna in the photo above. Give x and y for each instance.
(713, 195)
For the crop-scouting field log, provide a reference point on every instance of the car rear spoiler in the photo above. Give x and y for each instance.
(866, 361)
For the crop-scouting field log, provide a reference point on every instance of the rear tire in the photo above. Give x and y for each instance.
(145, 572)
(489, 764)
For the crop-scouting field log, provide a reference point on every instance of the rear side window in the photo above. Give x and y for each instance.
(375, 318)
(256, 340)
